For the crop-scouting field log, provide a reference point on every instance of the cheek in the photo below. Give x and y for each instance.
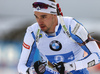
(48, 22)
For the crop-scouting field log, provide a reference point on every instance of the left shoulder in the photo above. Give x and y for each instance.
(68, 19)
(71, 21)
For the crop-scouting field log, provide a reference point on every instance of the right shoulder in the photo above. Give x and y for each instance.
(28, 38)
(33, 28)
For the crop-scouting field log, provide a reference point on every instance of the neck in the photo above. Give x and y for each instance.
(51, 34)
(53, 25)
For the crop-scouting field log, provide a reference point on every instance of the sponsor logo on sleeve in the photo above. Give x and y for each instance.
(26, 46)
(91, 63)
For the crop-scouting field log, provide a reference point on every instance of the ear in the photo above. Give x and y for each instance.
(55, 15)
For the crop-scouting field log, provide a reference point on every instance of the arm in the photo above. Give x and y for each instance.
(80, 35)
(23, 64)
(92, 59)
(31, 56)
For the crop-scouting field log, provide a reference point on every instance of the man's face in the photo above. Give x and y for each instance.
(46, 21)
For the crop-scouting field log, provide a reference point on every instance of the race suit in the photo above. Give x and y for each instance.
(60, 48)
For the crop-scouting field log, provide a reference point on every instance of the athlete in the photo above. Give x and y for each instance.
(56, 44)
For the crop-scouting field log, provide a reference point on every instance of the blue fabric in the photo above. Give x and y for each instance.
(82, 71)
(79, 40)
(98, 56)
(30, 59)
(37, 56)
(34, 55)
(52, 72)
(57, 58)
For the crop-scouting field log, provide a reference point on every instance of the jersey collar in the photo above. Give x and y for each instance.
(57, 28)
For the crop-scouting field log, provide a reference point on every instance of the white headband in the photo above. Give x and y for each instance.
(50, 10)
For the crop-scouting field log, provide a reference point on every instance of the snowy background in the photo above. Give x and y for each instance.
(17, 15)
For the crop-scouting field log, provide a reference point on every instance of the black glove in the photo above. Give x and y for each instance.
(39, 67)
(60, 67)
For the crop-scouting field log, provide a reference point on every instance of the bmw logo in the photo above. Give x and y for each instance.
(55, 45)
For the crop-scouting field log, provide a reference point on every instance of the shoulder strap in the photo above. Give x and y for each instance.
(37, 35)
(64, 26)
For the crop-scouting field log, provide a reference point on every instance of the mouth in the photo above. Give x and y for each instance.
(42, 26)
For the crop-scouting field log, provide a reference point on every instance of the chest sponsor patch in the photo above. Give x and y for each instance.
(26, 46)
(67, 57)
(55, 45)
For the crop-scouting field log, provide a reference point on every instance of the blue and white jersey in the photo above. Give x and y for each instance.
(60, 48)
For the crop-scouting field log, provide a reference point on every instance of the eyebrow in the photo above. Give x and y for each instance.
(35, 15)
(41, 15)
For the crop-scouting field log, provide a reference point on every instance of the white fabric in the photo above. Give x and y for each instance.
(85, 63)
(82, 33)
(32, 70)
(69, 49)
(28, 39)
(49, 10)
(94, 49)
(69, 66)
(47, 2)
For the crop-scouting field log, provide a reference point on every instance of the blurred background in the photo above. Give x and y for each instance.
(17, 15)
